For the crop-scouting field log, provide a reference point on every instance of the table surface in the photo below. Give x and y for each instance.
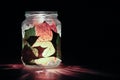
(21, 72)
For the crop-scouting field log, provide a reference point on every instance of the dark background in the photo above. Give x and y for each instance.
(90, 32)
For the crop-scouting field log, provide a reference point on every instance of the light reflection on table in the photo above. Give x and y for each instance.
(40, 73)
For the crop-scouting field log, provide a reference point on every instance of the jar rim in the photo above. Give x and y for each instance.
(41, 12)
(31, 13)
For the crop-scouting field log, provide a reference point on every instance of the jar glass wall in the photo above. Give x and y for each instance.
(41, 39)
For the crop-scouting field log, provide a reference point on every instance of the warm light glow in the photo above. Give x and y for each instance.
(41, 40)
(48, 62)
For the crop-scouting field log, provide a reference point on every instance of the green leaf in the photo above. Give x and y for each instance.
(58, 50)
(29, 32)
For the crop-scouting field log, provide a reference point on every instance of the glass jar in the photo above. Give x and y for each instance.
(41, 39)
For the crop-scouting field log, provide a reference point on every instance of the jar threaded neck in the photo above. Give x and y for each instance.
(41, 13)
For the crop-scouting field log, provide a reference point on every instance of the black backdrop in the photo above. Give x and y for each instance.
(90, 35)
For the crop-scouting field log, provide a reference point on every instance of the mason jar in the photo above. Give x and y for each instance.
(41, 39)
